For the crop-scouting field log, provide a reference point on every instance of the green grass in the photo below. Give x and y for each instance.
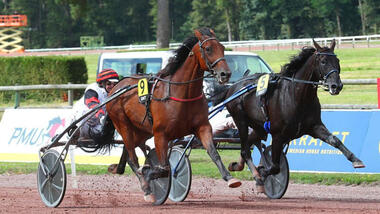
(202, 166)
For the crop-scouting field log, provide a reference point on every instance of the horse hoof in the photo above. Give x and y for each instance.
(112, 168)
(234, 166)
(150, 198)
(233, 183)
(260, 189)
(143, 169)
(358, 164)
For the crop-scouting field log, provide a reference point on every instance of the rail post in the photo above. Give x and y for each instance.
(17, 98)
(378, 93)
(70, 95)
(368, 38)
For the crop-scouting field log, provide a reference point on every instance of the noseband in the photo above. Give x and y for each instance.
(211, 66)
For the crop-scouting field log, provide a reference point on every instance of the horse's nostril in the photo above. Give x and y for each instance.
(223, 74)
(333, 86)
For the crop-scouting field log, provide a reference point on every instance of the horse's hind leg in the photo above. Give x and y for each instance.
(321, 132)
(246, 156)
(205, 135)
(119, 168)
(243, 134)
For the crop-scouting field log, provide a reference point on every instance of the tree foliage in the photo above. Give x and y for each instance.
(61, 23)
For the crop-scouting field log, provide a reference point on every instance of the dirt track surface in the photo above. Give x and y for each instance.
(121, 194)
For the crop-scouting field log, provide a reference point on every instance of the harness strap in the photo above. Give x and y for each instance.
(302, 81)
(216, 61)
(186, 100)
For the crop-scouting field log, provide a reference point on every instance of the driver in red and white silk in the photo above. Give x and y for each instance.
(94, 94)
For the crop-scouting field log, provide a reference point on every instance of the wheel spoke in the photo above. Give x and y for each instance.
(181, 184)
(59, 188)
(50, 196)
(44, 183)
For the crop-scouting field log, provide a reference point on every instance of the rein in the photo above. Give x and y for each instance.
(168, 81)
(210, 69)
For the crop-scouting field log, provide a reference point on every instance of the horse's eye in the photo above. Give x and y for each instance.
(208, 49)
(324, 62)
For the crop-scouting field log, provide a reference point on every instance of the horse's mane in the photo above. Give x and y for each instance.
(297, 61)
(181, 53)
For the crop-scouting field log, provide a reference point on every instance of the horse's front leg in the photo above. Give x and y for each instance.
(204, 133)
(321, 132)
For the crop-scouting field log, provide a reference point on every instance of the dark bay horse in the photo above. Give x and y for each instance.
(177, 107)
(291, 106)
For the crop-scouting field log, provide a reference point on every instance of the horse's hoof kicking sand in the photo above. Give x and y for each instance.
(150, 198)
(233, 183)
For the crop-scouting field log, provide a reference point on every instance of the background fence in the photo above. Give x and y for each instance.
(70, 87)
(249, 45)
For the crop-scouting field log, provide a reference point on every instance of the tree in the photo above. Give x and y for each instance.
(369, 11)
(231, 15)
(205, 13)
(163, 24)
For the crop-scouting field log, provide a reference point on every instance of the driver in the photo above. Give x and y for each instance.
(95, 94)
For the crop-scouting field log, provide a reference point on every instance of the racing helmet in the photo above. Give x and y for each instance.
(107, 74)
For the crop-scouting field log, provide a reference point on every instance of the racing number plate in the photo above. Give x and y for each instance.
(142, 90)
(262, 85)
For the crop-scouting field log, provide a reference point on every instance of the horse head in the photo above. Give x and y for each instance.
(329, 68)
(211, 55)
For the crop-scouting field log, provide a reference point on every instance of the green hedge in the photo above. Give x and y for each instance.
(33, 70)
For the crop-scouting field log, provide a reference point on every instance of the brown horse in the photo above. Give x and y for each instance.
(177, 107)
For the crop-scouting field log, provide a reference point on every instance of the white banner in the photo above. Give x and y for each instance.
(24, 131)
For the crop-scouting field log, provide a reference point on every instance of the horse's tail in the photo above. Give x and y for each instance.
(101, 144)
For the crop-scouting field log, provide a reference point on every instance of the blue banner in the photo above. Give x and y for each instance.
(358, 130)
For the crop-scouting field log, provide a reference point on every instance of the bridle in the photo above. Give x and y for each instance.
(210, 66)
(324, 78)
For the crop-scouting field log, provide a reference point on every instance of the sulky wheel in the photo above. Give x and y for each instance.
(51, 178)
(160, 186)
(181, 178)
(275, 185)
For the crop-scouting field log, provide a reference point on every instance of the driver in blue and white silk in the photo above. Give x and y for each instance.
(94, 94)
(222, 123)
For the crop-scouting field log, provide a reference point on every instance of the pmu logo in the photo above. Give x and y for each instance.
(36, 136)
